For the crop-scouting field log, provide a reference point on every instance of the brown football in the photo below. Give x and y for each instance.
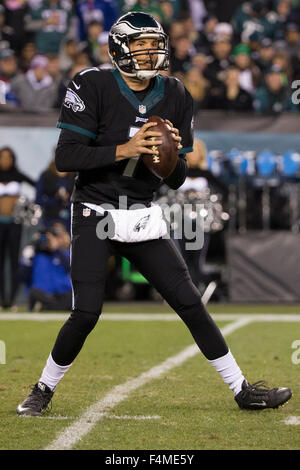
(163, 164)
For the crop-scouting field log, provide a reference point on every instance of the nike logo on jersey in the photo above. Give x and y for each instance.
(76, 86)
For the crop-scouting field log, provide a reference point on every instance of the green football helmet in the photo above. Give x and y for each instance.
(136, 25)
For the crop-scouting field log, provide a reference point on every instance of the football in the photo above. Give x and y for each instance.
(163, 164)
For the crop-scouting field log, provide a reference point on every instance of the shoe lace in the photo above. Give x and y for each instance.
(259, 384)
(257, 388)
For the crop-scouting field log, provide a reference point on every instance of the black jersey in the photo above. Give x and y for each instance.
(101, 112)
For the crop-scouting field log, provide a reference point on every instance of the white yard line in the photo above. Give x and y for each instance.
(99, 410)
(135, 418)
(292, 420)
(107, 416)
(118, 316)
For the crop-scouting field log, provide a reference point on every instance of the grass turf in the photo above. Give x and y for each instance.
(196, 409)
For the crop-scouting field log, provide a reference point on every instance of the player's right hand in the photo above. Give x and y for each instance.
(139, 144)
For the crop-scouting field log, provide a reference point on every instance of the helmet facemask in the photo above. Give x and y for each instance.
(126, 60)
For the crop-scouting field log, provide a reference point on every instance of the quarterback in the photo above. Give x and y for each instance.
(104, 133)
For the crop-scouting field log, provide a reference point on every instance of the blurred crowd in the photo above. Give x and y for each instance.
(231, 55)
(245, 60)
(44, 265)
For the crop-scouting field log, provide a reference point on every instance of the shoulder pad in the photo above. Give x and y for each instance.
(91, 69)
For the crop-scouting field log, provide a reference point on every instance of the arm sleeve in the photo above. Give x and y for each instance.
(79, 123)
(185, 113)
(73, 153)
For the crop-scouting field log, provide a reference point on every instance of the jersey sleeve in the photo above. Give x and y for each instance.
(79, 110)
(185, 123)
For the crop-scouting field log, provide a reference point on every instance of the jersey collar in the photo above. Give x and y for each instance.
(154, 97)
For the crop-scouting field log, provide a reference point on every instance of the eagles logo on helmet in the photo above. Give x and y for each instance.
(137, 25)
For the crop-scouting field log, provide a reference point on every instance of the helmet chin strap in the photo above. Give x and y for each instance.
(145, 74)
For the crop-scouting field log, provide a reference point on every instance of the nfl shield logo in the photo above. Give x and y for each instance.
(142, 109)
(86, 212)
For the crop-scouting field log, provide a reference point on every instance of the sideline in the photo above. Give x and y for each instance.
(118, 316)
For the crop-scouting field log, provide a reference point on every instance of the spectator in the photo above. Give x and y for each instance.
(282, 15)
(28, 52)
(292, 38)
(15, 13)
(206, 35)
(105, 11)
(200, 61)
(35, 90)
(176, 31)
(54, 68)
(264, 55)
(181, 58)
(53, 193)
(197, 12)
(7, 33)
(91, 46)
(50, 22)
(219, 63)
(146, 6)
(281, 59)
(234, 97)
(296, 64)
(198, 86)
(50, 285)
(168, 9)
(189, 30)
(283, 9)
(223, 31)
(104, 58)
(82, 60)
(252, 22)
(10, 232)
(8, 70)
(274, 97)
(250, 74)
(68, 54)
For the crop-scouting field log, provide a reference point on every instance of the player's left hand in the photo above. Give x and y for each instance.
(175, 134)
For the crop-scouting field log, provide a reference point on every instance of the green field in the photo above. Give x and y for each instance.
(188, 407)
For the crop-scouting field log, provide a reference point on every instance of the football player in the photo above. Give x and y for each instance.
(104, 133)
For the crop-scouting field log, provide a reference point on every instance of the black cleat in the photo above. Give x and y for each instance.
(37, 401)
(258, 397)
